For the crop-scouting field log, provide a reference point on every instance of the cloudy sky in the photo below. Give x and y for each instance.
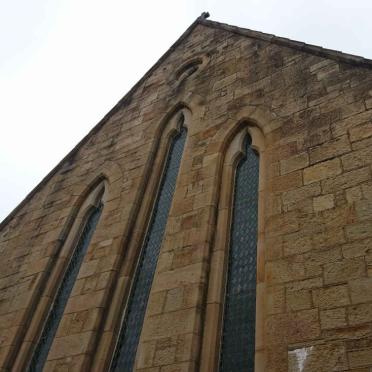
(64, 64)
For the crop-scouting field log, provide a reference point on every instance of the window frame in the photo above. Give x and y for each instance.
(69, 238)
(215, 299)
(174, 136)
(168, 128)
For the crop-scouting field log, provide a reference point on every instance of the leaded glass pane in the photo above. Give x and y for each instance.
(238, 334)
(45, 342)
(132, 325)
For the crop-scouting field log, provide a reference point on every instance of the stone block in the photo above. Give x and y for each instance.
(367, 190)
(362, 144)
(285, 270)
(175, 278)
(325, 357)
(331, 297)
(346, 180)
(323, 202)
(170, 324)
(293, 327)
(286, 182)
(360, 358)
(298, 300)
(71, 345)
(360, 230)
(343, 271)
(275, 299)
(188, 255)
(84, 302)
(156, 303)
(328, 150)
(360, 290)
(360, 314)
(334, 318)
(284, 223)
(165, 356)
(294, 163)
(301, 193)
(353, 194)
(323, 170)
(357, 159)
(361, 131)
(357, 248)
(329, 237)
(363, 209)
(305, 284)
(296, 243)
(174, 299)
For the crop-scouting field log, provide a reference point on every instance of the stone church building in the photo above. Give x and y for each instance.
(218, 218)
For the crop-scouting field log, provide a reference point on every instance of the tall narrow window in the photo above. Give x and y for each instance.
(55, 315)
(238, 333)
(126, 348)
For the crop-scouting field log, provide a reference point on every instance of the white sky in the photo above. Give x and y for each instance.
(64, 64)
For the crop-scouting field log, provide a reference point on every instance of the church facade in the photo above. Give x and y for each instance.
(218, 218)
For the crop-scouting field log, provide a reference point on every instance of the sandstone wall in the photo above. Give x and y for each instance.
(316, 118)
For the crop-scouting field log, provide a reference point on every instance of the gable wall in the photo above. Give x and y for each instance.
(316, 116)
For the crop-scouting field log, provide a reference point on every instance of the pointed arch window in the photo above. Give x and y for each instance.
(233, 327)
(238, 331)
(129, 335)
(54, 317)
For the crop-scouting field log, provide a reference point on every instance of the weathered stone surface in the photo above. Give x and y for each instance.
(312, 129)
(298, 300)
(300, 193)
(287, 181)
(334, 318)
(322, 170)
(330, 149)
(331, 297)
(343, 271)
(361, 131)
(360, 358)
(323, 202)
(294, 163)
(357, 159)
(358, 231)
(70, 345)
(346, 180)
(359, 290)
(319, 357)
(360, 314)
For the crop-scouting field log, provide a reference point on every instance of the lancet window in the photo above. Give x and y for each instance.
(54, 317)
(131, 327)
(238, 331)
(233, 327)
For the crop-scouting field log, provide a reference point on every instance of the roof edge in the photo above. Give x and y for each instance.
(293, 44)
(127, 97)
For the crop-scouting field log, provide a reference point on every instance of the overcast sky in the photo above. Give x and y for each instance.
(64, 64)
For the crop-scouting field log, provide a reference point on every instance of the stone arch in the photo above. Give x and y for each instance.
(231, 147)
(44, 295)
(165, 131)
